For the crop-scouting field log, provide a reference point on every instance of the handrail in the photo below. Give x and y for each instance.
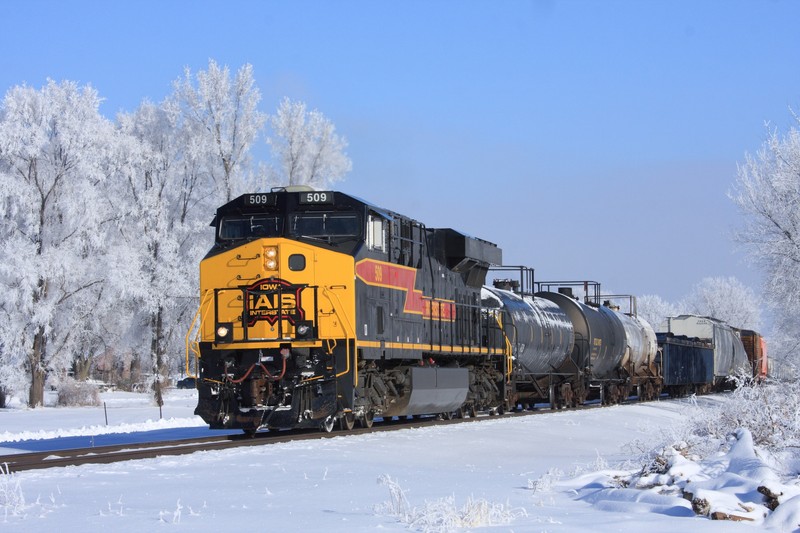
(193, 346)
(347, 334)
(509, 348)
(244, 291)
(352, 331)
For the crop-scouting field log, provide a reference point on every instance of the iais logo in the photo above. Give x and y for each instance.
(272, 300)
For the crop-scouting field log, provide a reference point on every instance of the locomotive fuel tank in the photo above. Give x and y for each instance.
(539, 329)
(599, 335)
(729, 353)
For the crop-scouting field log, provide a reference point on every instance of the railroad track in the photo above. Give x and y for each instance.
(126, 452)
(107, 454)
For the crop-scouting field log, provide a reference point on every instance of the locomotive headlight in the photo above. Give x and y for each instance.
(271, 258)
(224, 332)
(304, 330)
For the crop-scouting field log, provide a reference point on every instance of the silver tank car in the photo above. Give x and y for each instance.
(641, 350)
(729, 354)
(541, 330)
(600, 343)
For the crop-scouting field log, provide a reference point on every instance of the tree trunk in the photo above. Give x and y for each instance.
(135, 371)
(82, 368)
(2, 398)
(156, 351)
(38, 374)
(38, 354)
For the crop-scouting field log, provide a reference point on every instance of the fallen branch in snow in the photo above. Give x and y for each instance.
(772, 498)
(718, 515)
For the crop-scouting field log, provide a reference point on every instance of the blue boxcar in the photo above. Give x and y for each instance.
(685, 362)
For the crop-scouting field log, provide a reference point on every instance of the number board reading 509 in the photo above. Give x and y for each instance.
(316, 197)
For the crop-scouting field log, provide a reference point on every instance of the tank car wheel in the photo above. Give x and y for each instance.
(473, 411)
(328, 424)
(461, 412)
(446, 416)
(580, 397)
(567, 396)
(367, 419)
(347, 421)
(649, 392)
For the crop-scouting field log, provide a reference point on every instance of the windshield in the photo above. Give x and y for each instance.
(254, 226)
(325, 224)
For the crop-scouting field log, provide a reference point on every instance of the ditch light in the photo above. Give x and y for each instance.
(224, 332)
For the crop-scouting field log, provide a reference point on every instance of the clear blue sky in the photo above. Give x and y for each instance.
(589, 139)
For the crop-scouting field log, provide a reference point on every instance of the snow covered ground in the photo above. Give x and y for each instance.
(122, 412)
(556, 472)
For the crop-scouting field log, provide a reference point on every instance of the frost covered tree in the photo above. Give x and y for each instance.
(225, 118)
(158, 241)
(102, 227)
(54, 149)
(727, 299)
(655, 309)
(305, 147)
(8, 373)
(767, 192)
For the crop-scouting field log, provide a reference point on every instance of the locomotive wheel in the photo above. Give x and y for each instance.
(347, 421)
(328, 424)
(367, 419)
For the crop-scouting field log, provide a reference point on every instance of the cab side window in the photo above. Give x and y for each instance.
(377, 230)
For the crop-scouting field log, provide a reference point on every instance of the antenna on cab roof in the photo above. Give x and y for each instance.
(293, 188)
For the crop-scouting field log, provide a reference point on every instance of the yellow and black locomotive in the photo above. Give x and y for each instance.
(317, 307)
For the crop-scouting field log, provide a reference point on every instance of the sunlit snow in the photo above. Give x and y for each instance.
(554, 472)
